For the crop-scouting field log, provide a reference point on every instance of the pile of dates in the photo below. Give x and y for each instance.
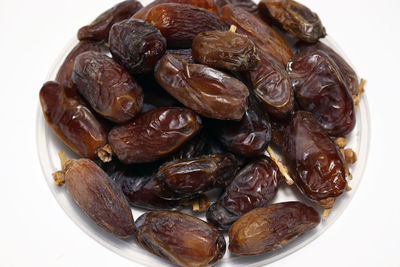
(166, 102)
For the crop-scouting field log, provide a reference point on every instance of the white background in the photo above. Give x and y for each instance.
(35, 231)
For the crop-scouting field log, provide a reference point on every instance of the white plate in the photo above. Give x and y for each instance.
(49, 145)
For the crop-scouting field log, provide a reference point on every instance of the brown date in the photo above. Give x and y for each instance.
(226, 50)
(264, 229)
(180, 238)
(209, 92)
(349, 75)
(271, 85)
(64, 74)
(295, 18)
(154, 134)
(108, 88)
(320, 88)
(73, 122)
(264, 37)
(247, 5)
(99, 29)
(97, 195)
(188, 177)
(180, 23)
(136, 45)
(314, 160)
(248, 137)
(253, 187)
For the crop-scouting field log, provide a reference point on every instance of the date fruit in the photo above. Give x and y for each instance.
(97, 195)
(188, 177)
(295, 18)
(320, 88)
(73, 122)
(225, 50)
(209, 92)
(264, 229)
(154, 134)
(180, 23)
(108, 87)
(99, 29)
(253, 187)
(179, 238)
(136, 45)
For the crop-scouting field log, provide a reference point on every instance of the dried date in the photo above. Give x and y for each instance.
(108, 88)
(226, 50)
(99, 29)
(209, 92)
(154, 134)
(180, 238)
(265, 229)
(136, 45)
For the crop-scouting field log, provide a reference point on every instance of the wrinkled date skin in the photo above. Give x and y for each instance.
(64, 74)
(180, 23)
(180, 238)
(247, 5)
(349, 75)
(136, 45)
(72, 120)
(314, 160)
(189, 177)
(209, 92)
(99, 197)
(99, 29)
(271, 85)
(265, 229)
(319, 88)
(248, 137)
(295, 18)
(154, 134)
(225, 50)
(108, 87)
(263, 36)
(253, 187)
(184, 54)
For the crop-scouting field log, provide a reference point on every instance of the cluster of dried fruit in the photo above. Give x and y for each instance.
(185, 106)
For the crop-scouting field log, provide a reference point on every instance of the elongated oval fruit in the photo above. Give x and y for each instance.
(154, 134)
(98, 30)
(97, 195)
(180, 238)
(264, 229)
(73, 122)
(209, 92)
(253, 187)
(108, 87)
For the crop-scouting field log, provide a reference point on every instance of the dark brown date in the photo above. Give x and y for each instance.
(253, 187)
(189, 177)
(136, 45)
(271, 85)
(206, 4)
(64, 74)
(108, 88)
(98, 196)
(209, 92)
(180, 23)
(226, 50)
(247, 5)
(264, 229)
(263, 36)
(248, 137)
(295, 18)
(154, 134)
(99, 29)
(319, 88)
(314, 160)
(349, 75)
(72, 121)
(180, 238)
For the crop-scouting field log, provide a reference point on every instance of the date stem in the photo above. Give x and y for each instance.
(282, 168)
(105, 153)
(59, 176)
